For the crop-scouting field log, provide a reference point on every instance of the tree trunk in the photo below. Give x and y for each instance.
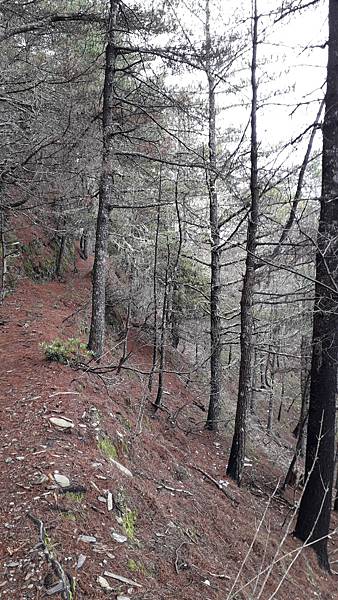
(169, 283)
(3, 246)
(280, 410)
(314, 513)
(335, 506)
(163, 334)
(305, 377)
(155, 298)
(237, 453)
(174, 317)
(60, 255)
(269, 426)
(293, 471)
(97, 328)
(253, 395)
(84, 245)
(215, 283)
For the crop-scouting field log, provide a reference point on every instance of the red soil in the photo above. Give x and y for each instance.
(187, 544)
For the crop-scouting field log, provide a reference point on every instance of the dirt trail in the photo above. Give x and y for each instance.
(35, 313)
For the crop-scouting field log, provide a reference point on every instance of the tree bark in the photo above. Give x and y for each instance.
(335, 506)
(174, 317)
(3, 247)
(305, 376)
(97, 328)
(253, 396)
(163, 334)
(215, 283)
(84, 245)
(269, 426)
(60, 255)
(237, 453)
(315, 508)
(155, 294)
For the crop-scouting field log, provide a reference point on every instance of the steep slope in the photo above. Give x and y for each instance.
(162, 523)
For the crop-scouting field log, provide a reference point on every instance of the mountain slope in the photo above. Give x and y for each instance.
(186, 537)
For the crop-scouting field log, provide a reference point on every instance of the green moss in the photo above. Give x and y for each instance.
(69, 516)
(107, 447)
(49, 544)
(133, 566)
(75, 497)
(137, 567)
(129, 519)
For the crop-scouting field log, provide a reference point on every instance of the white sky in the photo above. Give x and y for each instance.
(305, 64)
(291, 71)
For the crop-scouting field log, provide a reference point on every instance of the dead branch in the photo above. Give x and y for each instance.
(67, 581)
(162, 485)
(216, 483)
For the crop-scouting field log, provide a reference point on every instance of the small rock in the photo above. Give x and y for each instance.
(122, 597)
(61, 480)
(20, 458)
(110, 501)
(88, 539)
(81, 561)
(121, 468)
(56, 589)
(119, 538)
(104, 583)
(8, 460)
(61, 422)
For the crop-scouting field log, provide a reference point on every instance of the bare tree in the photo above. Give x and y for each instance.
(237, 453)
(97, 328)
(215, 283)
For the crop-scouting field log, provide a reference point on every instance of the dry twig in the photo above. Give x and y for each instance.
(216, 483)
(67, 581)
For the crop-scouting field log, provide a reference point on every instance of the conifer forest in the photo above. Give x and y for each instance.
(168, 299)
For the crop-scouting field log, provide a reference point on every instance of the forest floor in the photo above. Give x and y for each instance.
(171, 531)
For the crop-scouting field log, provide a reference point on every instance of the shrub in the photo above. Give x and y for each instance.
(66, 352)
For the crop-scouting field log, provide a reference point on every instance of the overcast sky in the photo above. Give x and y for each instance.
(292, 68)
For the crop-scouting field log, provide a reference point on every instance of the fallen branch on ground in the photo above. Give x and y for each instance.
(66, 580)
(171, 489)
(216, 483)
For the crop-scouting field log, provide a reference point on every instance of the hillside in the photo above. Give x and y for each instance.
(162, 523)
